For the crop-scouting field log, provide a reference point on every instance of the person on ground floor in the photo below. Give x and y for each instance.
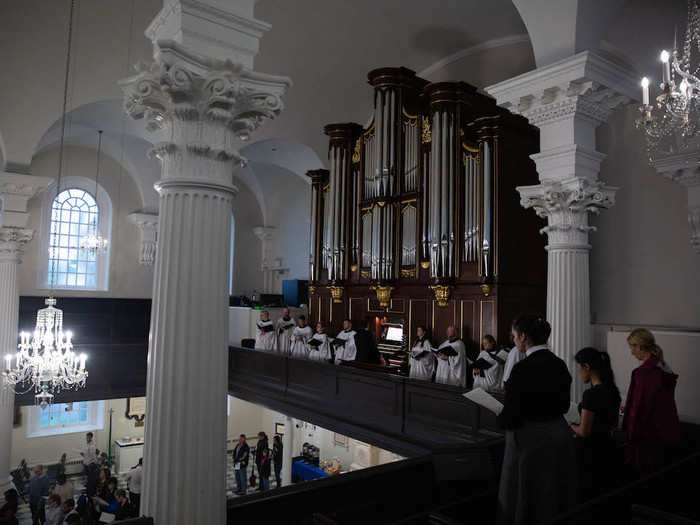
(125, 509)
(264, 469)
(38, 490)
(54, 512)
(241, 455)
(63, 488)
(133, 483)
(277, 458)
(260, 448)
(539, 478)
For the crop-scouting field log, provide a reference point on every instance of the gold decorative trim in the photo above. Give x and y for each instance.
(356, 153)
(364, 274)
(353, 267)
(486, 289)
(407, 114)
(383, 295)
(312, 289)
(336, 293)
(412, 199)
(425, 264)
(442, 293)
(408, 273)
(426, 135)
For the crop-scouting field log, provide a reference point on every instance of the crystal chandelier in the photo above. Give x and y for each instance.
(94, 243)
(671, 123)
(46, 362)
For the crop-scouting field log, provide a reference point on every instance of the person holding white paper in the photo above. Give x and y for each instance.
(452, 360)
(422, 360)
(539, 478)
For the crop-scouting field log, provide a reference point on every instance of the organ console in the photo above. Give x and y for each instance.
(418, 217)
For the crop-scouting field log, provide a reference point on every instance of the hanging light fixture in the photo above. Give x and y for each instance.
(671, 124)
(45, 360)
(94, 243)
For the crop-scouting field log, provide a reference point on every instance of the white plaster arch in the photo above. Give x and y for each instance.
(286, 153)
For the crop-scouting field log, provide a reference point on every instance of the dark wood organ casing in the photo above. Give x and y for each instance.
(418, 216)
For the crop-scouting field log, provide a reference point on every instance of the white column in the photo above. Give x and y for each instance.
(201, 103)
(12, 241)
(15, 191)
(147, 224)
(287, 451)
(567, 100)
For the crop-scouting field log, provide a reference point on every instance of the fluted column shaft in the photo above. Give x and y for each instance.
(287, 451)
(12, 241)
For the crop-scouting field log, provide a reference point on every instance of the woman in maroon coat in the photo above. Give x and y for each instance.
(651, 417)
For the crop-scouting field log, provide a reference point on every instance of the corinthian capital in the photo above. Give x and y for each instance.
(202, 106)
(12, 242)
(566, 205)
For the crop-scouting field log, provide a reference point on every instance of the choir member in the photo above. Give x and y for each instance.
(488, 367)
(599, 410)
(539, 477)
(650, 413)
(319, 346)
(300, 337)
(514, 357)
(452, 361)
(285, 327)
(265, 332)
(344, 343)
(422, 362)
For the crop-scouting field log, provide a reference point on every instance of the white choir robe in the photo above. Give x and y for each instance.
(265, 340)
(453, 371)
(424, 367)
(348, 351)
(514, 357)
(284, 330)
(323, 353)
(493, 376)
(299, 349)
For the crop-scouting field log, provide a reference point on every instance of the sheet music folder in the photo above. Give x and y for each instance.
(484, 399)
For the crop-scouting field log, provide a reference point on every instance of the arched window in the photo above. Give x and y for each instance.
(74, 215)
(66, 218)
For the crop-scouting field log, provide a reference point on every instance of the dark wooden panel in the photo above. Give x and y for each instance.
(417, 315)
(442, 317)
(373, 306)
(488, 318)
(468, 320)
(397, 306)
(357, 308)
(309, 380)
(324, 302)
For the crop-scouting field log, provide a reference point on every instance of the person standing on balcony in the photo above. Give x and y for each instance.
(319, 346)
(422, 360)
(488, 367)
(366, 345)
(452, 360)
(344, 343)
(285, 328)
(265, 338)
(299, 339)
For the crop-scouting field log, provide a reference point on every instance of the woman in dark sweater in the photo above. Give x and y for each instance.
(599, 410)
(539, 478)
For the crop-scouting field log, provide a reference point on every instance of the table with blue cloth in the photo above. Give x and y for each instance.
(306, 471)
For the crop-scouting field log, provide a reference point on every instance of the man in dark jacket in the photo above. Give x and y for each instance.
(240, 464)
(366, 345)
(38, 489)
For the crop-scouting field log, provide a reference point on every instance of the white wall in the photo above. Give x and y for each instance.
(49, 449)
(127, 278)
(643, 269)
(247, 251)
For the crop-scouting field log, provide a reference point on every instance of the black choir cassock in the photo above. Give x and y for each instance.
(539, 476)
(366, 344)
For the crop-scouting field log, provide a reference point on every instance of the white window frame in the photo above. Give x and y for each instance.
(104, 208)
(96, 414)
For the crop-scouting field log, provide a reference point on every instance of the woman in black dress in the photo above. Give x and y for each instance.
(599, 409)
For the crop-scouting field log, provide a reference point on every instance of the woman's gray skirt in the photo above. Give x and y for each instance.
(539, 479)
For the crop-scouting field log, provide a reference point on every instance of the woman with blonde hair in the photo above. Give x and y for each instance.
(650, 414)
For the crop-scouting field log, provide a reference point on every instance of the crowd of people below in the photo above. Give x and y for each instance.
(100, 502)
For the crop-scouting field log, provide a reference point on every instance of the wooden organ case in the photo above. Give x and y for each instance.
(418, 216)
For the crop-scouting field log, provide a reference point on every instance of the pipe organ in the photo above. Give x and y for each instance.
(418, 217)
